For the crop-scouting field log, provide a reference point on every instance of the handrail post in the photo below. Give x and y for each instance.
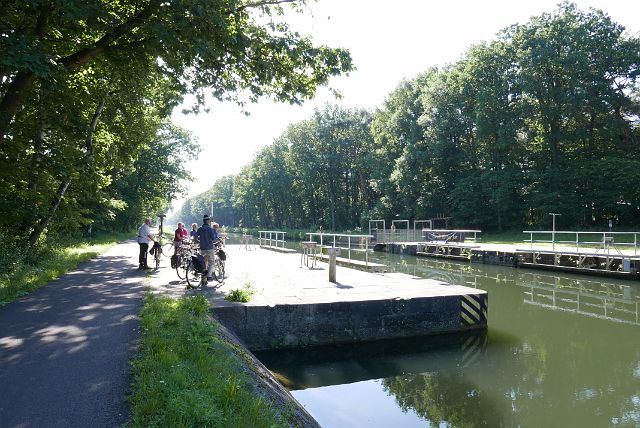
(334, 241)
(349, 250)
(366, 251)
(577, 242)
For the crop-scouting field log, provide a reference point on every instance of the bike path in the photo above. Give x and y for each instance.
(65, 349)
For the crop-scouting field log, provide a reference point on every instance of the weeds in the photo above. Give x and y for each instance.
(184, 375)
(243, 294)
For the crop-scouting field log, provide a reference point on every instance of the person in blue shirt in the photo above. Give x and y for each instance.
(194, 231)
(215, 232)
(207, 238)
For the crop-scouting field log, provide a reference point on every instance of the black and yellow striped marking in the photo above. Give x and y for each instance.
(473, 309)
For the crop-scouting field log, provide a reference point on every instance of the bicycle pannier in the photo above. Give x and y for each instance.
(222, 255)
(174, 261)
(198, 263)
(156, 247)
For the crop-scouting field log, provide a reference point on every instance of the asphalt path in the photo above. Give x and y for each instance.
(65, 349)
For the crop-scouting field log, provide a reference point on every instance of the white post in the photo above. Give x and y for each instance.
(332, 264)
(553, 231)
(366, 251)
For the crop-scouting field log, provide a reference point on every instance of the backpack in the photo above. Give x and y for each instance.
(198, 263)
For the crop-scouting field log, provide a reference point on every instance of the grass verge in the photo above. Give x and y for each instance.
(185, 375)
(32, 272)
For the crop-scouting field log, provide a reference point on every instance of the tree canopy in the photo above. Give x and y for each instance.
(87, 88)
(545, 118)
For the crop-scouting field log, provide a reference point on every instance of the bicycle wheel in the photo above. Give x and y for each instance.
(218, 270)
(182, 267)
(167, 249)
(193, 277)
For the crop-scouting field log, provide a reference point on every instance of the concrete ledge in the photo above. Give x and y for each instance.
(295, 325)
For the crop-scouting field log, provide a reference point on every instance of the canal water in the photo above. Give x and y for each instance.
(561, 351)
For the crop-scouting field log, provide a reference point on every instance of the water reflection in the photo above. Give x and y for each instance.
(561, 350)
(349, 363)
(613, 300)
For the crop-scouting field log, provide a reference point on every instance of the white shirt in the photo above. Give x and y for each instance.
(143, 234)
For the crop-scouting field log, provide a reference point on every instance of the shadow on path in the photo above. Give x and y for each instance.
(65, 349)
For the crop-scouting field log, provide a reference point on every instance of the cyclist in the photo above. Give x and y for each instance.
(215, 231)
(144, 236)
(194, 232)
(178, 236)
(207, 238)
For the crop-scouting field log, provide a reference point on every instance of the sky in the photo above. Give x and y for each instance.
(389, 40)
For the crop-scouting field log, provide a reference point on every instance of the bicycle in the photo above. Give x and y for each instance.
(167, 249)
(156, 251)
(194, 270)
(183, 256)
(219, 260)
(157, 245)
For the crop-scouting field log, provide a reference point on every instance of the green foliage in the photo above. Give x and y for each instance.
(243, 294)
(25, 271)
(542, 119)
(86, 90)
(186, 375)
(314, 174)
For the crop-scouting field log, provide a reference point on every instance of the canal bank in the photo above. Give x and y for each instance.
(287, 293)
(295, 306)
(561, 350)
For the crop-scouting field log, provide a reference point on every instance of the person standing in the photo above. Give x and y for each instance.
(216, 233)
(178, 237)
(194, 232)
(206, 237)
(144, 236)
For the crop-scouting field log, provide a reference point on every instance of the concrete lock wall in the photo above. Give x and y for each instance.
(289, 326)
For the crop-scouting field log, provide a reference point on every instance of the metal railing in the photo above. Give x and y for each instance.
(420, 235)
(271, 238)
(335, 239)
(448, 235)
(606, 242)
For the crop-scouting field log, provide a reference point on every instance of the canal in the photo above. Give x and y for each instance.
(560, 351)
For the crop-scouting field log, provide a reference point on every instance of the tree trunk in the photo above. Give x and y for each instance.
(43, 223)
(62, 189)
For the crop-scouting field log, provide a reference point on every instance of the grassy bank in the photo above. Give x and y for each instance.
(186, 375)
(31, 271)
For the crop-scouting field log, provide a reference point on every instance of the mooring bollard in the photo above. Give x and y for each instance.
(332, 263)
